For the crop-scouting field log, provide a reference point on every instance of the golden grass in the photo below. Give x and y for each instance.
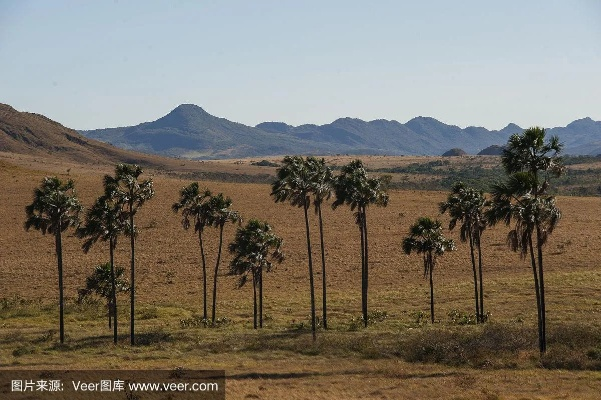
(280, 362)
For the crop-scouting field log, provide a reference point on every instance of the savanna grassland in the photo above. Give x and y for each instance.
(399, 355)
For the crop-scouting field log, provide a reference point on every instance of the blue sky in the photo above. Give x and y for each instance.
(96, 64)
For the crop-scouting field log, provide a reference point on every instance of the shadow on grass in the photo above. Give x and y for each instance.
(300, 375)
(94, 342)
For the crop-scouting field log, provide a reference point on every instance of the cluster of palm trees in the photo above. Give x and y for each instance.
(56, 207)
(523, 200)
(205, 209)
(300, 180)
(254, 247)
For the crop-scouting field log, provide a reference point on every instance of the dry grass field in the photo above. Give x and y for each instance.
(397, 356)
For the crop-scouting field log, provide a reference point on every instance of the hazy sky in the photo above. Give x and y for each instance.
(96, 64)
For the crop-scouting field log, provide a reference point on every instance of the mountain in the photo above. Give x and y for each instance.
(35, 134)
(190, 132)
(456, 152)
(494, 150)
(582, 136)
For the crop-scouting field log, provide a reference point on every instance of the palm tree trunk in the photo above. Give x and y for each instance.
(323, 268)
(204, 275)
(366, 269)
(362, 230)
(541, 282)
(254, 301)
(109, 312)
(537, 290)
(473, 258)
(215, 275)
(311, 283)
(61, 302)
(132, 287)
(431, 268)
(261, 298)
(113, 287)
(482, 314)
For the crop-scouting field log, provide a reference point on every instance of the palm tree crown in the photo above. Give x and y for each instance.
(354, 188)
(466, 205)
(105, 221)
(293, 182)
(221, 212)
(425, 236)
(194, 206)
(55, 207)
(321, 180)
(254, 248)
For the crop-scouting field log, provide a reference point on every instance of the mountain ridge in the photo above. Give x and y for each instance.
(189, 131)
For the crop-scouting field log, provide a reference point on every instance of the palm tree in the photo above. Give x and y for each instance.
(101, 283)
(467, 205)
(105, 221)
(530, 163)
(195, 206)
(426, 238)
(132, 194)
(221, 215)
(355, 188)
(54, 209)
(321, 184)
(293, 184)
(255, 247)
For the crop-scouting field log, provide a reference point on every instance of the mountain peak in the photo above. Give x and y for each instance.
(510, 129)
(188, 108)
(422, 119)
(184, 115)
(581, 122)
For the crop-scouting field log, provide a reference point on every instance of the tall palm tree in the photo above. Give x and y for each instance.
(426, 238)
(54, 209)
(467, 205)
(293, 184)
(530, 162)
(355, 188)
(132, 194)
(194, 205)
(321, 183)
(101, 283)
(255, 247)
(105, 221)
(221, 215)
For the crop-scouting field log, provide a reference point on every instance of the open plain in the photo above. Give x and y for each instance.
(399, 355)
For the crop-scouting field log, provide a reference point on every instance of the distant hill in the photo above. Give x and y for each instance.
(35, 134)
(456, 152)
(189, 131)
(494, 150)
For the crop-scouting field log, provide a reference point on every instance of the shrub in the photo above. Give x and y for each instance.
(357, 323)
(198, 321)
